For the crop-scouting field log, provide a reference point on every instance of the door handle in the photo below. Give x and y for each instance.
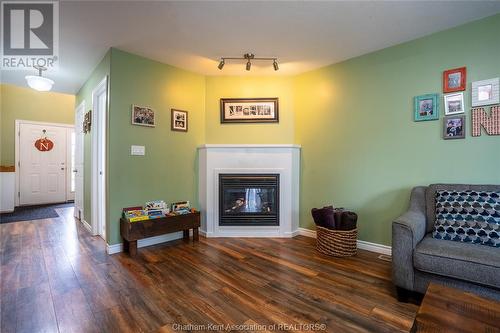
(62, 168)
(75, 171)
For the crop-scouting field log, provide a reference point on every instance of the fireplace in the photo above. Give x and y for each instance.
(262, 167)
(249, 199)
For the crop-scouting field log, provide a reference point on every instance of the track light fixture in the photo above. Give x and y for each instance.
(248, 57)
(275, 65)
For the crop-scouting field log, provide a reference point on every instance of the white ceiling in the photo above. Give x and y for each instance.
(194, 35)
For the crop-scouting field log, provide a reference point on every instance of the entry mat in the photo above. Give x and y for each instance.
(28, 213)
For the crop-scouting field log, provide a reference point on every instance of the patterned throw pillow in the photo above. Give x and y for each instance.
(468, 216)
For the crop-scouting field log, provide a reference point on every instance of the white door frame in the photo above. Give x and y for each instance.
(99, 163)
(69, 168)
(81, 108)
(17, 152)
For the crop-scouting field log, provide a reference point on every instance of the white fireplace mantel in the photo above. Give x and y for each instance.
(283, 159)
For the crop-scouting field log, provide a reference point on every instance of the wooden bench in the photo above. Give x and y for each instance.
(131, 232)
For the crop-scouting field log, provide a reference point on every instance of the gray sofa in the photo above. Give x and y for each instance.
(418, 259)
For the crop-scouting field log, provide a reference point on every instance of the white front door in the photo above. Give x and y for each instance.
(42, 174)
(77, 172)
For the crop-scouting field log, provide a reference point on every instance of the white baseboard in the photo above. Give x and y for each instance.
(267, 235)
(374, 247)
(307, 232)
(86, 225)
(116, 248)
(363, 245)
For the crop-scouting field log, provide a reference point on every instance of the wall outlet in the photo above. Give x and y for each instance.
(138, 150)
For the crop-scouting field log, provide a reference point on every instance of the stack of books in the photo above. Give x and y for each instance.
(156, 209)
(134, 214)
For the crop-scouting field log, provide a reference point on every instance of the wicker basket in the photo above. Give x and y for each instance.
(338, 243)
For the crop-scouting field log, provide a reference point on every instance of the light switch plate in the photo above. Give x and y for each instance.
(138, 150)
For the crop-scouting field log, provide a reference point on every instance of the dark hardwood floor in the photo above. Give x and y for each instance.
(56, 277)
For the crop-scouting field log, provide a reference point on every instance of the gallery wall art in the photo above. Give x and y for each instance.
(454, 104)
(454, 127)
(454, 80)
(426, 107)
(486, 92)
(490, 122)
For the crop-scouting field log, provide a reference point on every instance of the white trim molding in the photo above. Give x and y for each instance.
(17, 152)
(374, 247)
(86, 225)
(99, 171)
(240, 146)
(363, 245)
(307, 232)
(117, 248)
(216, 159)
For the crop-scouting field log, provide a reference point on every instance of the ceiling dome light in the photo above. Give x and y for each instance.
(38, 82)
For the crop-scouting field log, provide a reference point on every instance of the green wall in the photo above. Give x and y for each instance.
(218, 87)
(28, 104)
(360, 146)
(168, 171)
(85, 94)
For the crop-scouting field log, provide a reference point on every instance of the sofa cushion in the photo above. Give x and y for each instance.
(468, 216)
(430, 197)
(464, 261)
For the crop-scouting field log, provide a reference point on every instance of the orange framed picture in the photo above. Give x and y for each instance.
(454, 80)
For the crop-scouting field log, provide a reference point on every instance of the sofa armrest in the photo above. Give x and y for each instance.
(407, 231)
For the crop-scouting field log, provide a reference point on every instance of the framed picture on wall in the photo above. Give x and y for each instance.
(249, 110)
(454, 127)
(486, 92)
(454, 103)
(143, 116)
(454, 80)
(179, 120)
(426, 107)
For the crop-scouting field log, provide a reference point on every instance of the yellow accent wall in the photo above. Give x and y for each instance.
(218, 87)
(28, 104)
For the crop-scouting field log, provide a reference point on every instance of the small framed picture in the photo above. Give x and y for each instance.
(426, 107)
(454, 127)
(454, 80)
(454, 104)
(143, 116)
(179, 120)
(486, 92)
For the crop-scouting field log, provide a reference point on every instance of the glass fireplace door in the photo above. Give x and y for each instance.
(248, 199)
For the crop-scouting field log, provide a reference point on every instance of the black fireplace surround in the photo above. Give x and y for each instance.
(249, 199)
